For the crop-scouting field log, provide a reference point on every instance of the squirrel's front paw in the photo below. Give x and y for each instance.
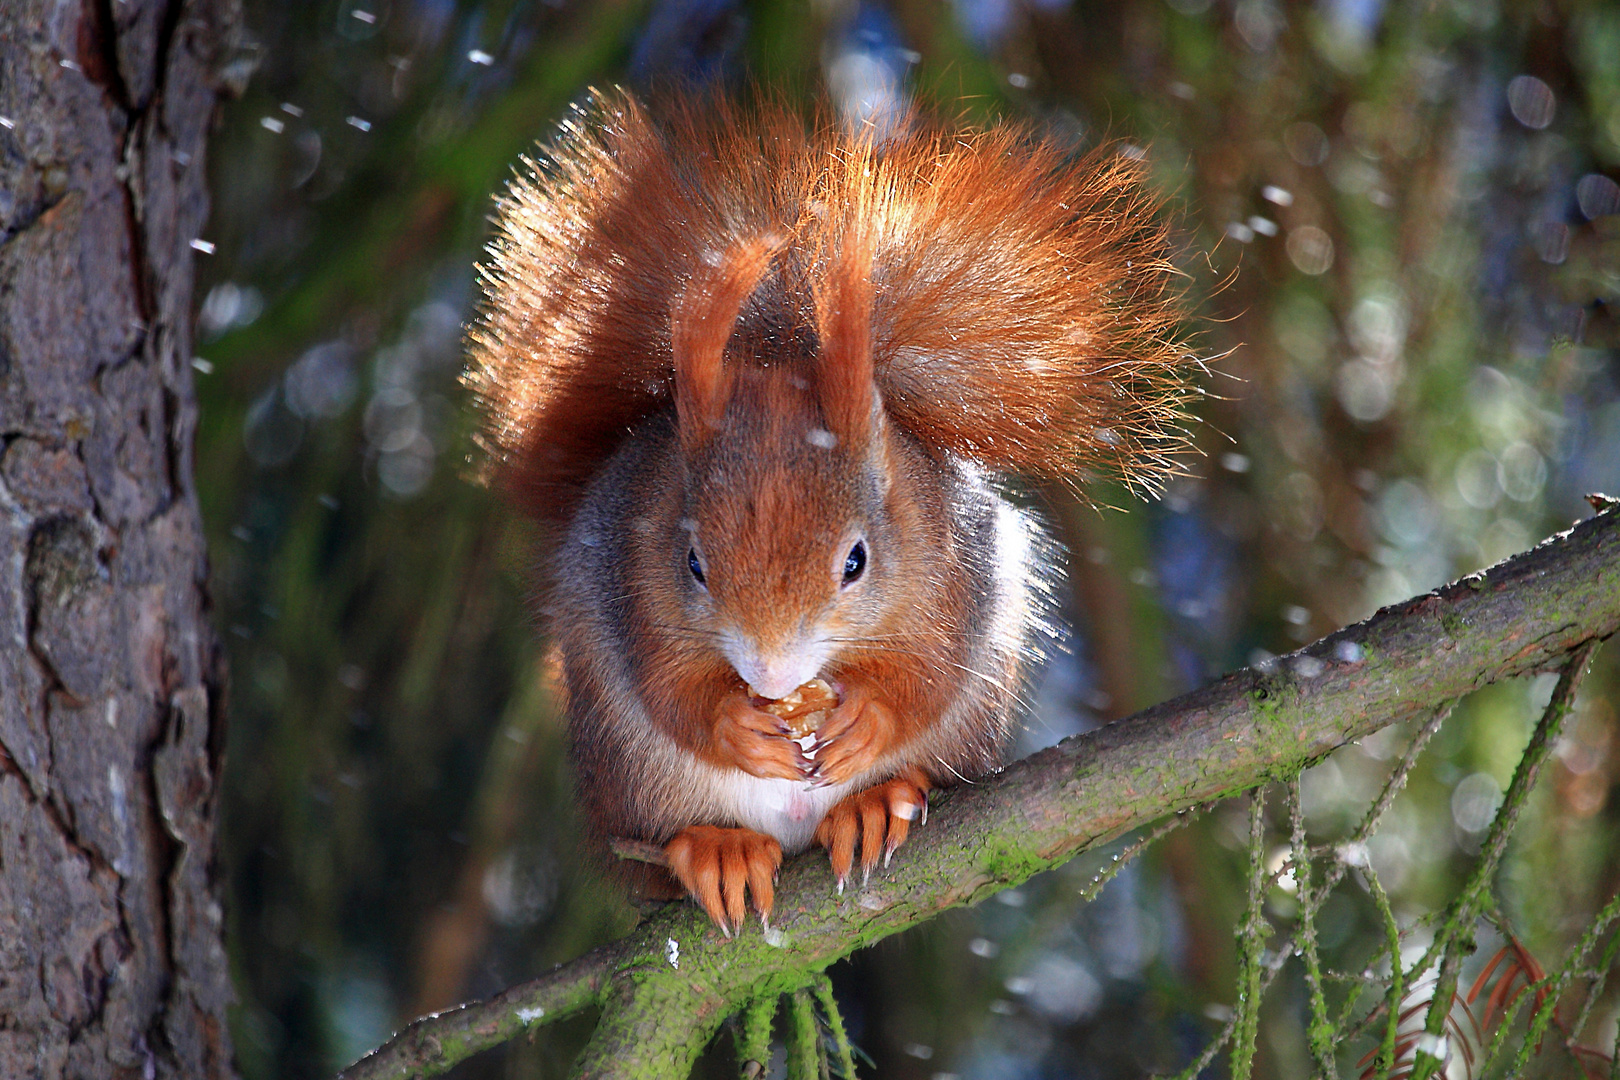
(715, 865)
(880, 817)
(852, 738)
(757, 742)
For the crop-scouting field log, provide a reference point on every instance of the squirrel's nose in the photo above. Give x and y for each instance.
(774, 676)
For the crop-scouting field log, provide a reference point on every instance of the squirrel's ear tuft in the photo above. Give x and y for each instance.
(701, 320)
(843, 296)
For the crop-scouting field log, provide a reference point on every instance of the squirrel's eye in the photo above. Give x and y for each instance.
(855, 562)
(693, 565)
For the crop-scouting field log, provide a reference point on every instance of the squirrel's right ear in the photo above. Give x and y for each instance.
(701, 320)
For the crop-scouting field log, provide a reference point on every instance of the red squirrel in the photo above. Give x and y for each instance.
(758, 379)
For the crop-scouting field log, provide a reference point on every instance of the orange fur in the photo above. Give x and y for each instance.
(688, 686)
(723, 352)
(701, 321)
(1022, 312)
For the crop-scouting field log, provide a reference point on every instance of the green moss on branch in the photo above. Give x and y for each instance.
(1408, 661)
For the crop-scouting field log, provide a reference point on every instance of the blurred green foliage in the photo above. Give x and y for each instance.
(1402, 242)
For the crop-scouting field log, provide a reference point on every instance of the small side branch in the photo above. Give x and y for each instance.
(434, 1043)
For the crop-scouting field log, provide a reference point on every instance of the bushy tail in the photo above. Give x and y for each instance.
(1023, 305)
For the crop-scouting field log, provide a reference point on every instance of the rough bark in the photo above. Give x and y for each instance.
(111, 955)
(665, 988)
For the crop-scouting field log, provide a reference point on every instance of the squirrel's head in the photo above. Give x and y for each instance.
(792, 523)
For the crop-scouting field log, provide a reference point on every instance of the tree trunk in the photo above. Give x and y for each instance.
(111, 949)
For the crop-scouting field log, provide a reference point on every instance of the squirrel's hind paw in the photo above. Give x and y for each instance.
(879, 818)
(716, 865)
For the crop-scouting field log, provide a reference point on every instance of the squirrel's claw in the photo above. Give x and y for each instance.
(837, 833)
(878, 818)
(734, 881)
(718, 866)
(874, 819)
(905, 804)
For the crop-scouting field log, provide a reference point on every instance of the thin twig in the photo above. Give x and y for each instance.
(1553, 986)
(1091, 889)
(1397, 975)
(804, 1038)
(638, 851)
(1320, 1032)
(1251, 943)
(823, 990)
(1599, 975)
(1456, 933)
(754, 1036)
(1394, 784)
(1270, 967)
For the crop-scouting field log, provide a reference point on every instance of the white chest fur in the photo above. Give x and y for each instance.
(789, 810)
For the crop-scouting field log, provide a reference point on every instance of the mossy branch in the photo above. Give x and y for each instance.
(665, 988)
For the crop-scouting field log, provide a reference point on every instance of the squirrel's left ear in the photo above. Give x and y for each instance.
(845, 375)
(701, 320)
